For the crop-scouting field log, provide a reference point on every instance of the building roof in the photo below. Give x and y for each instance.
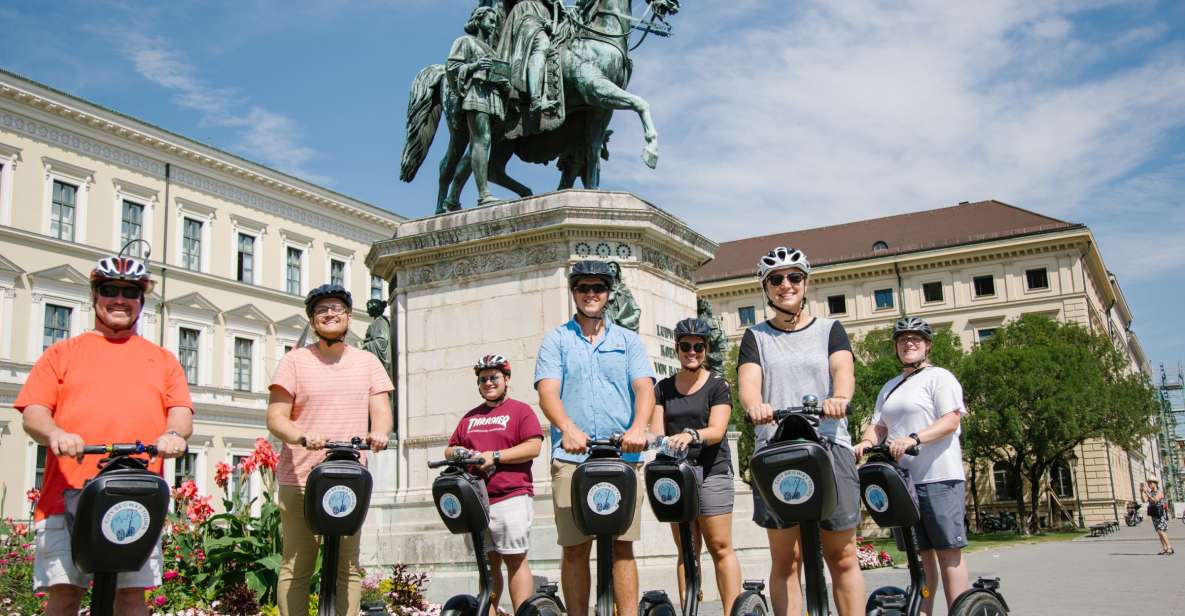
(965, 223)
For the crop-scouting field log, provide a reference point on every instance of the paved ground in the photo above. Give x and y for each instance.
(1116, 574)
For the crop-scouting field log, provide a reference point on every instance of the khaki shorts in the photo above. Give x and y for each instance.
(567, 534)
(510, 526)
(54, 563)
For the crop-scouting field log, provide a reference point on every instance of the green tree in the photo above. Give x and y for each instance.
(739, 420)
(1038, 388)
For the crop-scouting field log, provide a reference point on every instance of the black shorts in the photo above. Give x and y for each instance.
(847, 495)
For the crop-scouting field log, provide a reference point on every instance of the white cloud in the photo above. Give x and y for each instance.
(270, 137)
(831, 112)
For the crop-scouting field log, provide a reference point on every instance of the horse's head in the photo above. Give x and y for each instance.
(662, 8)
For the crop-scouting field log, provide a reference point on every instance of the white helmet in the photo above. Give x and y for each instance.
(781, 258)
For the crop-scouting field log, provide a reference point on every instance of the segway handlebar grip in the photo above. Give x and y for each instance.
(121, 449)
(458, 463)
(884, 449)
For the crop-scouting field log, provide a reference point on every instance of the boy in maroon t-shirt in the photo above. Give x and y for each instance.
(506, 434)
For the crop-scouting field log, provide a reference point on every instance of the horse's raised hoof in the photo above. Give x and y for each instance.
(650, 157)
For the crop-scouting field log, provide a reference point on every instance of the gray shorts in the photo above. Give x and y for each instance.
(716, 494)
(847, 495)
(943, 505)
(53, 562)
(510, 525)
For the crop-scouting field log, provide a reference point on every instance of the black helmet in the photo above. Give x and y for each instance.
(324, 291)
(915, 325)
(693, 327)
(585, 269)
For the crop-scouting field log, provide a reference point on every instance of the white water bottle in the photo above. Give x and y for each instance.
(662, 446)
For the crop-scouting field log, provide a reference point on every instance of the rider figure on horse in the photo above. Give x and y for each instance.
(525, 43)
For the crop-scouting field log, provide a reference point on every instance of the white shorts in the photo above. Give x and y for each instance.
(510, 525)
(54, 565)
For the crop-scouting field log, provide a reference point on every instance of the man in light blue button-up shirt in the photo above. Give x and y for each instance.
(594, 378)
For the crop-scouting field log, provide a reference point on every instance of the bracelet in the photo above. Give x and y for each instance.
(174, 433)
(695, 438)
(915, 438)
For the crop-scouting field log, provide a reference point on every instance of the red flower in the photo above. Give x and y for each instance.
(185, 491)
(33, 496)
(248, 465)
(160, 600)
(39, 594)
(264, 455)
(170, 575)
(199, 509)
(222, 472)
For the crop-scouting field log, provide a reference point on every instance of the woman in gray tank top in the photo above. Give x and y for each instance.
(781, 360)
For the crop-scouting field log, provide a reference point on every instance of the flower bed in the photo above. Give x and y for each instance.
(870, 557)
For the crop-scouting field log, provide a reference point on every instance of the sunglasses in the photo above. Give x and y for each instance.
(110, 290)
(494, 378)
(775, 280)
(591, 288)
(687, 347)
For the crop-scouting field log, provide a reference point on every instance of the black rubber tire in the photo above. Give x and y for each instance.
(871, 605)
(664, 608)
(460, 605)
(540, 605)
(978, 603)
(750, 603)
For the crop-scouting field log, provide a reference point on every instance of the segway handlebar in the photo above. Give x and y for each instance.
(884, 450)
(121, 449)
(810, 406)
(614, 441)
(356, 443)
(458, 463)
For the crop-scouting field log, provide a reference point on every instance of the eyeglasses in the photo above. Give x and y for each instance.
(493, 378)
(911, 340)
(775, 280)
(334, 309)
(687, 347)
(591, 288)
(111, 290)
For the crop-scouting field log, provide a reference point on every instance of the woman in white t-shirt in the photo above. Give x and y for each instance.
(924, 406)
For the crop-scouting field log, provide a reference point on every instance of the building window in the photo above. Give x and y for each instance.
(57, 325)
(984, 286)
(287, 348)
(246, 263)
(243, 363)
(1036, 279)
(184, 469)
(191, 244)
(932, 292)
(376, 287)
(884, 298)
(187, 351)
(748, 315)
(337, 272)
(61, 217)
(1005, 489)
(132, 226)
(1061, 480)
(237, 478)
(985, 333)
(880, 246)
(293, 271)
(39, 467)
(837, 304)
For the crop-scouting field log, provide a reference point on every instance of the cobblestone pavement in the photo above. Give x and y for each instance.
(1116, 574)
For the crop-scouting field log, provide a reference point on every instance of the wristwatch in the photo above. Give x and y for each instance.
(694, 434)
(915, 438)
(497, 457)
(175, 433)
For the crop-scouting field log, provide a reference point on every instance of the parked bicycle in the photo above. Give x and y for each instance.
(998, 521)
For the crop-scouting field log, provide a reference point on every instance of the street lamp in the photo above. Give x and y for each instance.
(1072, 460)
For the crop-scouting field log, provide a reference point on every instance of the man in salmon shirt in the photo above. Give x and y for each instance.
(507, 436)
(104, 386)
(324, 391)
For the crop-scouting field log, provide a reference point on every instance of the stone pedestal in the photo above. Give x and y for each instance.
(494, 280)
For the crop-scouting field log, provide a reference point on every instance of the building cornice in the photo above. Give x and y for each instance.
(168, 145)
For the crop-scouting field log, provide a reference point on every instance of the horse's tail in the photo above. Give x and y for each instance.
(424, 106)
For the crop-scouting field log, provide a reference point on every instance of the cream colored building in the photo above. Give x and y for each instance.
(970, 268)
(235, 246)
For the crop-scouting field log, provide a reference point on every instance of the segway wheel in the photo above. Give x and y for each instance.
(750, 603)
(886, 600)
(460, 605)
(978, 603)
(655, 603)
(541, 605)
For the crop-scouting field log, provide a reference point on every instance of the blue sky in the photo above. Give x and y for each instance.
(773, 115)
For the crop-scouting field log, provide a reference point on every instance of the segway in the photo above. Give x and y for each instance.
(793, 475)
(337, 496)
(118, 519)
(674, 498)
(887, 496)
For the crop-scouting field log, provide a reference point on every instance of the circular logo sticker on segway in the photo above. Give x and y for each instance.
(339, 501)
(793, 487)
(876, 498)
(666, 491)
(604, 498)
(125, 522)
(450, 506)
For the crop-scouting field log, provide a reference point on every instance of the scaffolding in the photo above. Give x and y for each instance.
(1170, 435)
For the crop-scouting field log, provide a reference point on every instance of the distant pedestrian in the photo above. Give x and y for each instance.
(1158, 510)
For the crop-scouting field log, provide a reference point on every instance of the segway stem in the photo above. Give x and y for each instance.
(103, 594)
(917, 574)
(605, 605)
(691, 579)
(817, 601)
(483, 574)
(327, 602)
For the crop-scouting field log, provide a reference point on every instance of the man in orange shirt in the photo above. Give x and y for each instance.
(105, 386)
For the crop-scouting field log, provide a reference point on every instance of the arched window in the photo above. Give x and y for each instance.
(880, 246)
(1002, 477)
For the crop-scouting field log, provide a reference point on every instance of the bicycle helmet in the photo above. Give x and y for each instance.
(493, 360)
(125, 269)
(781, 258)
(914, 325)
(585, 269)
(693, 327)
(325, 291)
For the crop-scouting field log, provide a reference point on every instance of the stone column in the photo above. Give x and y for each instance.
(494, 280)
